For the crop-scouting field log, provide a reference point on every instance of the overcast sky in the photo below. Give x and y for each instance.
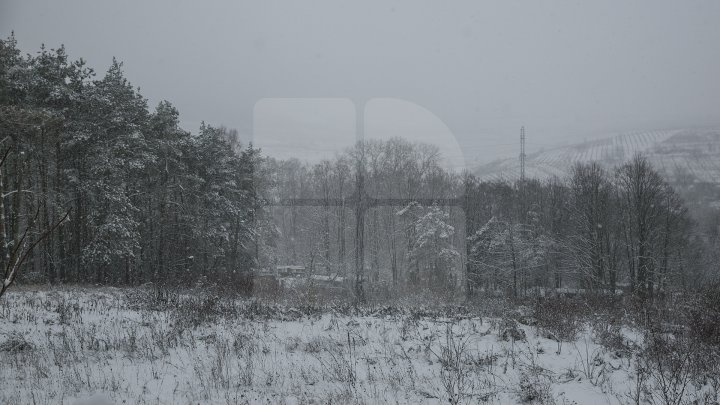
(565, 69)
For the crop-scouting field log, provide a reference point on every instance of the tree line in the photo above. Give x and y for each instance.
(597, 230)
(145, 199)
(136, 199)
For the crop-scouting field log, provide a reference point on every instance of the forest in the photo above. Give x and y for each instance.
(143, 200)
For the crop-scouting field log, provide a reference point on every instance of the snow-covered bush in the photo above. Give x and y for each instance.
(559, 318)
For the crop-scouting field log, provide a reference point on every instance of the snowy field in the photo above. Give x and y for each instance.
(118, 346)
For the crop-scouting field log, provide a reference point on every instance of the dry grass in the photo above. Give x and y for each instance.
(160, 347)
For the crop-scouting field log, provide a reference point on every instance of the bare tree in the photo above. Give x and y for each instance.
(15, 253)
(591, 216)
(642, 196)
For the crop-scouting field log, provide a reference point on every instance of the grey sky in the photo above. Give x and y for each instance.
(565, 69)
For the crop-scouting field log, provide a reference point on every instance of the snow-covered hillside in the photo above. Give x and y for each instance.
(677, 154)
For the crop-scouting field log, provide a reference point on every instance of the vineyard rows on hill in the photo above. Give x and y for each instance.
(677, 154)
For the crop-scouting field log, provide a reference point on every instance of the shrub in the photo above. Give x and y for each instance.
(559, 317)
(668, 361)
(534, 388)
(704, 316)
(608, 334)
(16, 343)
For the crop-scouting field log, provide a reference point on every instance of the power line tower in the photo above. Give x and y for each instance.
(521, 185)
(522, 154)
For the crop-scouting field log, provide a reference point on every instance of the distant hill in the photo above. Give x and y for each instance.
(681, 155)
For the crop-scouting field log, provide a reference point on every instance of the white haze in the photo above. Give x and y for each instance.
(568, 70)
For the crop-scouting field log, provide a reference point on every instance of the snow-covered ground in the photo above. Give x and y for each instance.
(119, 346)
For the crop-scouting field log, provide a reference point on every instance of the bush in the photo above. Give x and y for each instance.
(607, 333)
(511, 331)
(704, 316)
(16, 343)
(559, 317)
(668, 361)
(534, 388)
